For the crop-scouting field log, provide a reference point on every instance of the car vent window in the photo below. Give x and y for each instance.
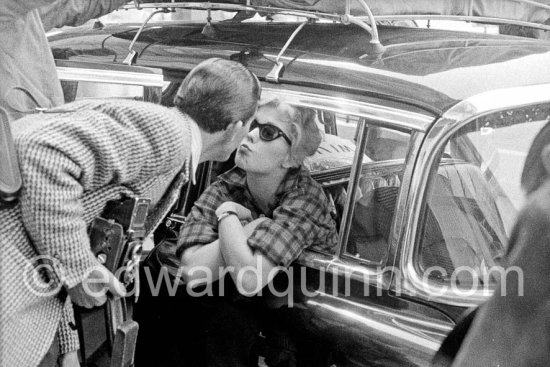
(473, 198)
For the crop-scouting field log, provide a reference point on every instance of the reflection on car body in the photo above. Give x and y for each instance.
(423, 150)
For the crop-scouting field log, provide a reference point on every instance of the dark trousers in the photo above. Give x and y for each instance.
(207, 331)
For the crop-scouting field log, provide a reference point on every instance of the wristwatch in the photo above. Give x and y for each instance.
(226, 214)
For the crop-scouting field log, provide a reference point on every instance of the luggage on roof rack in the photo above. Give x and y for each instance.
(523, 10)
(520, 10)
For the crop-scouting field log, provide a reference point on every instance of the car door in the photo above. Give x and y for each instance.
(466, 197)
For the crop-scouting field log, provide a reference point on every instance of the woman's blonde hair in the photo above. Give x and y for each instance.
(304, 132)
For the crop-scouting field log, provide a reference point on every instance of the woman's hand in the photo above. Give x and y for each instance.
(243, 213)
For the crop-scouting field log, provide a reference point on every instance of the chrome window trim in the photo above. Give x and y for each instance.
(456, 117)
(355, 175)
(395, 118)
(398, 225)
(110, 76)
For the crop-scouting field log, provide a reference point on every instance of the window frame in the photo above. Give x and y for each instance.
(412, 282)
(401, 120)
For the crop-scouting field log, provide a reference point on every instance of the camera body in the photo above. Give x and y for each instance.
(116, 240)
(116, 237)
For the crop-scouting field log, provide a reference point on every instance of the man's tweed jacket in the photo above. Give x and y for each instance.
(73, 160)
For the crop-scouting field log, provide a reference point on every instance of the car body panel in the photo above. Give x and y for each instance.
(421, 67)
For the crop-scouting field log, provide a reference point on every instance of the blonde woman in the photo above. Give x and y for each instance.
(255, 220)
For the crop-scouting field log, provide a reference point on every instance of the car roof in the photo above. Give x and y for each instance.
(427, 68)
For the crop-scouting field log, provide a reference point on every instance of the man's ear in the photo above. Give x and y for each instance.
(233, 129)
(545, 158)
(234, 125)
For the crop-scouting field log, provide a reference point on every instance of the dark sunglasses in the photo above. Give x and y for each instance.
(269, 132)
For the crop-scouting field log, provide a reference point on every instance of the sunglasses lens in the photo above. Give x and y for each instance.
(268, 132)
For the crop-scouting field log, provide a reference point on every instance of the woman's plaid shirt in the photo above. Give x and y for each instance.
(302, 217)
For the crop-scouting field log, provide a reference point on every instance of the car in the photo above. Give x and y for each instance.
(426, 131)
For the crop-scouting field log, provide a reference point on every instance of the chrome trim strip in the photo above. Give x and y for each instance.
(465, 18)
(396, 118)
(458, 116)
(378, 277)
(445, 327)
(110, 76)
(355, 175)
(386, 329)
(398, 226)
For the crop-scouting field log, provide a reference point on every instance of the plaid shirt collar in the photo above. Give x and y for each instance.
(236, 177)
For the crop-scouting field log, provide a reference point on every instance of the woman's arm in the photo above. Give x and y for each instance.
(250, 271)
(302, 219)
(202, 264)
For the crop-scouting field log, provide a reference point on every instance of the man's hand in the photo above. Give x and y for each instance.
(92, 291)
(243, 213)
(70, 359)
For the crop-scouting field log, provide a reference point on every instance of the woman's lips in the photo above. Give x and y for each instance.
(244, 148)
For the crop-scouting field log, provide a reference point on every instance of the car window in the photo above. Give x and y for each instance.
(378, 186)
(379, 183)
(474, 196)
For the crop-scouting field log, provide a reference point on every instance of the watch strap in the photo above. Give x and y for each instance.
(226, 214)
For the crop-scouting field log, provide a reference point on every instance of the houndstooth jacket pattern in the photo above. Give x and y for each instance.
(73, 160)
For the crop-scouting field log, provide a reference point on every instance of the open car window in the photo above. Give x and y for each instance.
(474, 197)
(378, 187)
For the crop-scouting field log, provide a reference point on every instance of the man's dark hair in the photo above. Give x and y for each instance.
(217, 93)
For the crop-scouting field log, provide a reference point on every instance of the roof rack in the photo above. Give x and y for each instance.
(376, 47)
(132, 54)
(367, 22)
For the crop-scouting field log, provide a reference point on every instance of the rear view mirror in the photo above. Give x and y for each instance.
(10, 176)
